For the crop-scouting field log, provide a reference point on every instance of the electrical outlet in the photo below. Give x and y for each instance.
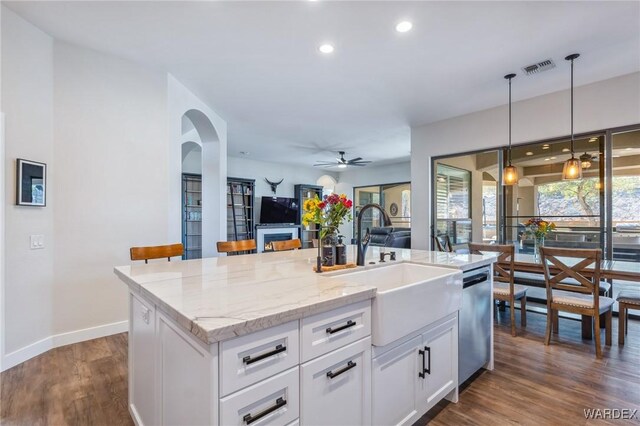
(37, 242)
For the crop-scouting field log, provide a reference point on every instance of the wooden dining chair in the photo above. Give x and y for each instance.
(286, 245)
(236, 247)
(584, 298)
(626, 300)
(504, 288)
(156, 252)
(443, 243)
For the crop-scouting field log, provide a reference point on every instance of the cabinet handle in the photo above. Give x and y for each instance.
(425, 370)
(248, 418)
(248, 360)
(342, 327)
(344, 369)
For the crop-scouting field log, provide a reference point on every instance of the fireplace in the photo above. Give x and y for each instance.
(266, 234)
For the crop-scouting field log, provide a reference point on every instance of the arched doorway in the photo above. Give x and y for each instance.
(191, 199)
(200, 184)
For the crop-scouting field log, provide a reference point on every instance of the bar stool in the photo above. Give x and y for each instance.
(443, 243)
(235, 247)
(286, 245)
(156, 252)
(626, 300)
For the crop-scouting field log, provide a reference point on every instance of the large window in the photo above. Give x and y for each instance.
(395, 199)
(453, 203)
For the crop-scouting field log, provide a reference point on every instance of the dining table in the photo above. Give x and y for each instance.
(609, 270)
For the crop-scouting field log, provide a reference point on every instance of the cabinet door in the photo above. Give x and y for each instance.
(336, 388)
(441, 362)
(396, 384)
(141, 361)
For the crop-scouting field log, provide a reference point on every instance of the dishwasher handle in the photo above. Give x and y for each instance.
(475, 279)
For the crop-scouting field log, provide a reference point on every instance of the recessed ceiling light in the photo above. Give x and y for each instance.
(404, 26)
(615, 156)
(628, 149)
(552, 158)
(326, 48)
(529, 153)
(593, 140)
(547, 159)
(545, 146)
(565, 150)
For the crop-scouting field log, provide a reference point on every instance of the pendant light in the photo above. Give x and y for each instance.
(510, 172)
(573, 166)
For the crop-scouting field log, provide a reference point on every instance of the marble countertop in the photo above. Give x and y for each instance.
(223, 297)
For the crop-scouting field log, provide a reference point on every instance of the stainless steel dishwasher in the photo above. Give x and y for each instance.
(474, 322)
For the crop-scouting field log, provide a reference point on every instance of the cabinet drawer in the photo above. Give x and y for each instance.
(336, 387)
(248, 359)
(331, 330)
(274, 401)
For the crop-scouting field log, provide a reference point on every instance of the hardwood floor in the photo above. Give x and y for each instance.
(86, 383)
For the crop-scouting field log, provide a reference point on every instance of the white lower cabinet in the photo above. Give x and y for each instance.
(411, 377)
(142, 337)
(274, 401)
(335, 389)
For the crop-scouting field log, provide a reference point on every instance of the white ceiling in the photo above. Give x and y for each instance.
(257, 64)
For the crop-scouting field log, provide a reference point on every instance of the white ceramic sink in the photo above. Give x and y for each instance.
(409, 297)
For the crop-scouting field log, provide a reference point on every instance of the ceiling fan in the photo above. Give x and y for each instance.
(343, 162)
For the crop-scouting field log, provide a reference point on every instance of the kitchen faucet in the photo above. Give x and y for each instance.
(363, 244)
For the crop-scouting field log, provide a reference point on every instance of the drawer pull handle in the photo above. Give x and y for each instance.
(348, 367)
(425, 370)
(248, 360)
(342, 327)
(248, 418)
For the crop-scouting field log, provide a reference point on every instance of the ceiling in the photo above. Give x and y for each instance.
(257, 63)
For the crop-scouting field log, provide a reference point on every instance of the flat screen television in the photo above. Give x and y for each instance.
(279, 210)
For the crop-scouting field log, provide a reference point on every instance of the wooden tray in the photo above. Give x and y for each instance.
(336, 267)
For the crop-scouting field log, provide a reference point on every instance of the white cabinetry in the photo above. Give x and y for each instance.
(410, 376)
(142, 353)
(335, 388)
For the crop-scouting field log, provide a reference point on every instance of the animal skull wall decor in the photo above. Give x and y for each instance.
(274, 185)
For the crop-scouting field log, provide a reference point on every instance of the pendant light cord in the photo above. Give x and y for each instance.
(572, 150)
(509, 121)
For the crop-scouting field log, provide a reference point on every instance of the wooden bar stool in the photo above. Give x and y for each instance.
(504, 289)
(443, 243)
(236, 247)
(286, 245)
(584, 298)
(626, 300)
(156, 252)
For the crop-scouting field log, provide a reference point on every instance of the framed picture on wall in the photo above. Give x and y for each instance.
(31, 183)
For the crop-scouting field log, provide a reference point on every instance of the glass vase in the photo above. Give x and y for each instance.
(329, 242)
(537, 243)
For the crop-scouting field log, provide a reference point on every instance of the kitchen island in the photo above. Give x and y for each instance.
(262, 339)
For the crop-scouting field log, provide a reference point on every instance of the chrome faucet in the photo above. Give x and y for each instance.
(363, 244)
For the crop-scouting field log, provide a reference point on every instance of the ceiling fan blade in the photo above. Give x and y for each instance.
(353, 160)
(325, 164)
(360, 162)
(357, 165)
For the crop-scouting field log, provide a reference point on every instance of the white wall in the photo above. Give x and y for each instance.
(111, 186)
(601, 105)
(259, 170)
(371, 175)
(27, 101)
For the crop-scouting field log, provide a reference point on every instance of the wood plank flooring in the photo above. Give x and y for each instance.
(86, 383)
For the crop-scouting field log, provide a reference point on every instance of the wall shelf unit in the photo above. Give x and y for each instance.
(240, 209)
(310, 232)
(192, 216)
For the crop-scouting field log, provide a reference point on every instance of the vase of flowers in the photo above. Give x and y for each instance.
(328, 213)
(538, 229)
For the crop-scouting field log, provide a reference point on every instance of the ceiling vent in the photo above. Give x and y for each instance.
(545, 65)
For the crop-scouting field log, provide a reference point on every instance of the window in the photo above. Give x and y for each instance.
(453, 203)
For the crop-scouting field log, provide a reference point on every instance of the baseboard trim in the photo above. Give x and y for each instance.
(41, 346)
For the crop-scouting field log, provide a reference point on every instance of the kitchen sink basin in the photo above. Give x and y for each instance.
(409, 296)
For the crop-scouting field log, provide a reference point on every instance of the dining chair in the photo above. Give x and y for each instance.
(443, 243)
(156, 252)
(286, 245)
(583, 298)
(504, 289)
(626, 300)
(235, 247)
